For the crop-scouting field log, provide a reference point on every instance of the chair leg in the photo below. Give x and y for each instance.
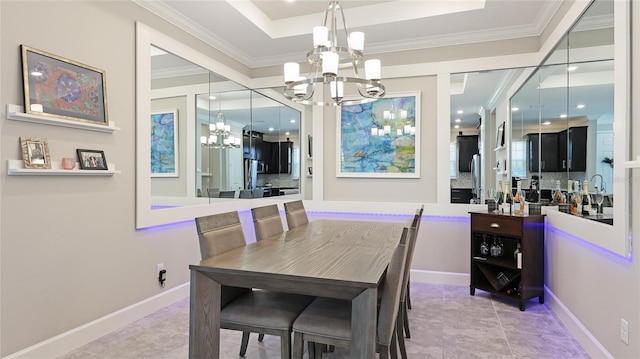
(394, 345)
(260, 337)
(405, 318)
(384, 352)
(317, 353)
(298, 346)
(245, 342)
(285, 345)
(311, 349)
(408, 292)
(400, 336)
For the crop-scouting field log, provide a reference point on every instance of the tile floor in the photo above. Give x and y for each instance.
(446, 322)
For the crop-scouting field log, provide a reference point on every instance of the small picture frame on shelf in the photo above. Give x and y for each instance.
(92, 159)
(35, 153)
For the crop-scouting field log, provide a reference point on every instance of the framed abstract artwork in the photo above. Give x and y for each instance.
(380, 138)
(164, 143)
(62, 88)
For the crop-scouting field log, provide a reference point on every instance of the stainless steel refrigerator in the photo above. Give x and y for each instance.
(476, 184)
(250, 173)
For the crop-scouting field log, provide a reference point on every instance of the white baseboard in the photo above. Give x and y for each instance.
(77, 337)
(434, 277)
(588, 342)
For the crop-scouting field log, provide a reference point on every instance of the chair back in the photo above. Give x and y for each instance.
(245, 193)
(258, 193)
(266, 221)
(296, 214)
(219, 233)
(413, 233)
(227, 194)
(390, 299)
(213, 192)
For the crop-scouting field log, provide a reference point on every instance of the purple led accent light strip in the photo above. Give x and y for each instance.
(590, 245)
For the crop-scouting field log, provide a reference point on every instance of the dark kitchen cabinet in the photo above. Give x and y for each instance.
(467, 147)
(559, 152)
(548, 156)
(280, 157)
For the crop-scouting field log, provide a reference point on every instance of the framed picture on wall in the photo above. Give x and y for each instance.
(63, 88)
(380, 138)
(164, 143)
(92, 159)
(35, 152)
(500, 136)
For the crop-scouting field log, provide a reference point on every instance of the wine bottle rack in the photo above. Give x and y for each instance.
(516, 268)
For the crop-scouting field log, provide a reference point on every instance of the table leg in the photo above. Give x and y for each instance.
(363, 324)
(204, 317)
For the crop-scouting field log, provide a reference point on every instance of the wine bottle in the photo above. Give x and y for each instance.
(557, 194)
(586, 199)
(508, 198)
(576, 199)
(500, 196)
(518, 200)
(571, 198)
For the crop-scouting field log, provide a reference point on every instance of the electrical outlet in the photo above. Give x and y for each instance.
(624, 331)
(159, 267)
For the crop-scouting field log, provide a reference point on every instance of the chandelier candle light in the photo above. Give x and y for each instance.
(326, 58)
(220, 134)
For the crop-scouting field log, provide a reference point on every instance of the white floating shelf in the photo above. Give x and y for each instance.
(16, 113)
(632, 164)
(16, 168)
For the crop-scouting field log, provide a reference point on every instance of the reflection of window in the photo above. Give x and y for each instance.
(453, 150)
(518, 159)
(295, 162)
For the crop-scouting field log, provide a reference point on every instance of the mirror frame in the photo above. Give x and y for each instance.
(145, 216)
(615, 238)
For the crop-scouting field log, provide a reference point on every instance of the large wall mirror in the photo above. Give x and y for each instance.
(208, 138)
(562, 123)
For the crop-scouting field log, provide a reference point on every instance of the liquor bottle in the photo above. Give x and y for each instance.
(557, 194)
(500, 196)
(586, 198)
(570, 198)
(508, 199)
(518, 200)
(576, 200)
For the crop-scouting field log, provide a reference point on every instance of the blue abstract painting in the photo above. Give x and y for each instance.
(164, 144)
(380, 138)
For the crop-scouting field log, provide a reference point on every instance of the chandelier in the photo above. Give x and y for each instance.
(394, 124)
(327, 56)
(220, 136)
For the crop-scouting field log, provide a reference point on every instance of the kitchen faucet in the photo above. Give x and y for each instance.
(601, 181)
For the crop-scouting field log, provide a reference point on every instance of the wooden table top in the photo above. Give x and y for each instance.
(353, 253)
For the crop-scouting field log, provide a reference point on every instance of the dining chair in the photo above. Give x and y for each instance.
(328, 320)
(213, 192)
(266, 221)
(244, 309)
(419, 212)
(258, 193)
(245, 193)
(402, 329)
(227, 194)
(295, 213)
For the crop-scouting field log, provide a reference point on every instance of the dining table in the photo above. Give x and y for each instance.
(324, 258)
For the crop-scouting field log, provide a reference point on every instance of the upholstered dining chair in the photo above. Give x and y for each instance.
(328, 320)
(402, 328)
(296, 214)
(227, 194)
(245, 193)
(266, 221)
(243, 309)
(213, 192)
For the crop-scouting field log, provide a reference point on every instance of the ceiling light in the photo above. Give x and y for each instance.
(456, 126)
(580, 106)
(292, 121)
(458, 120)
(270, 128)
(564, 115)
(460, 112)
(212, 97)
(326, 57)
(572, 68)
(546, 123)
(287, 133)
(515, 108)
